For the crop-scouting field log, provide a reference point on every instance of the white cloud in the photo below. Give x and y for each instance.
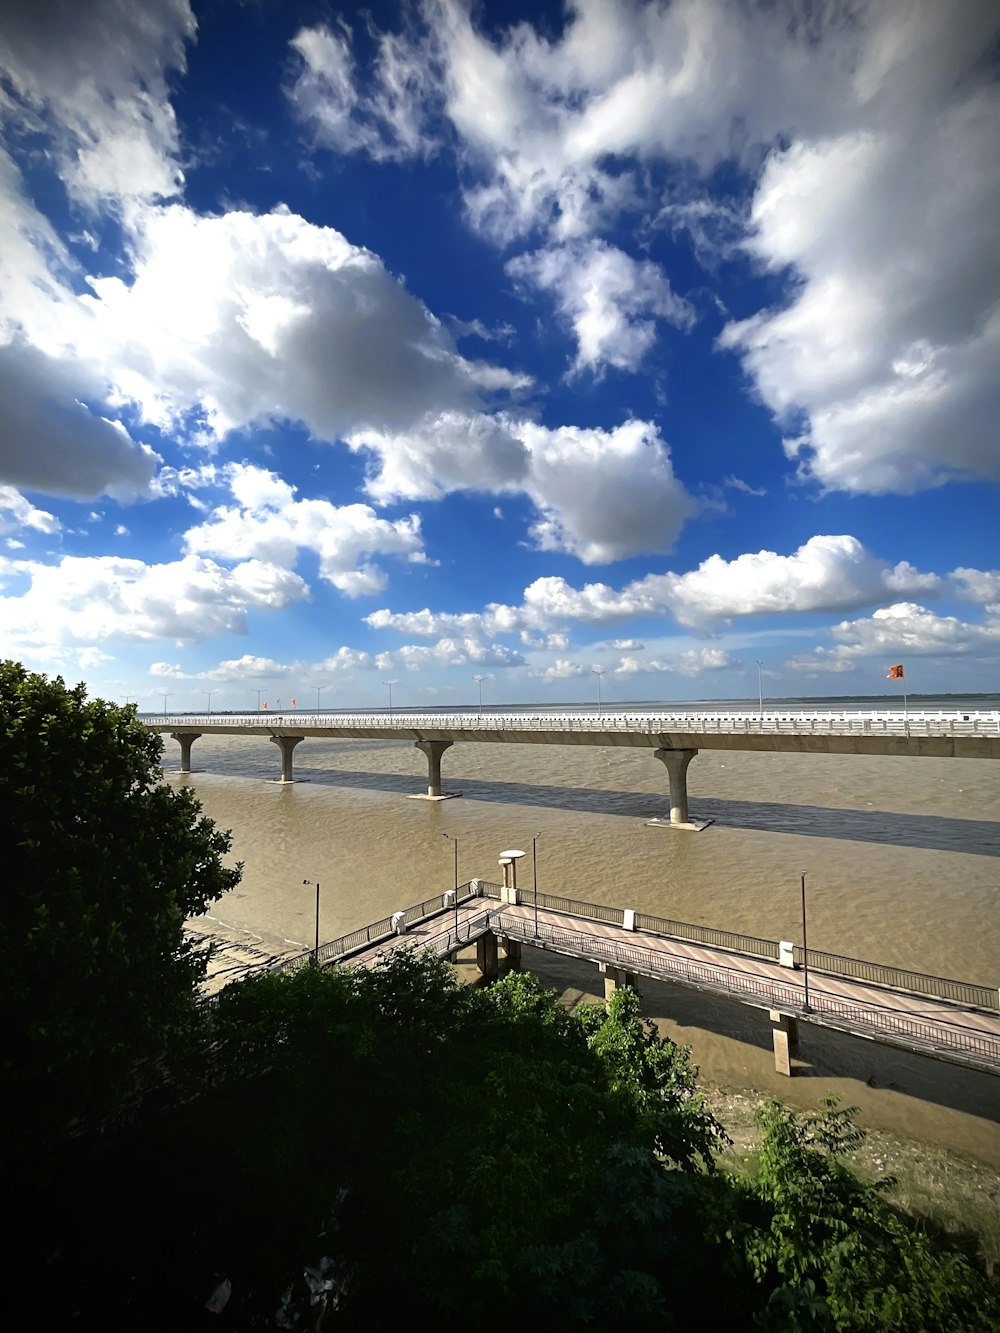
(16, 512)
(604, 494)
(344, 659)
(738, 484)
(91, 600)
(247, 667)
(390, 122)
(627, 645)
(691, 662)
(267, 523)
(95, 76)
(978, 585)
(562, 669)
(908, 629)
(243, 319)
(449, 652)
(610, 301)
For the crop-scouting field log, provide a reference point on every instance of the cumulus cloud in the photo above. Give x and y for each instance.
(91, 600)
(243, 319)
(609, 300)
(691, 662)
(95, 77)
(16, 513)
(267, 523)
(908, 629)
(344, 659)
(978, 585)
(449, 652)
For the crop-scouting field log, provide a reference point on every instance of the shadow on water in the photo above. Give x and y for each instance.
(977, 837)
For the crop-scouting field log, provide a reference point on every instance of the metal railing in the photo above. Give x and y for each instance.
(883, 723)
(900, 978)
(728, 981)
(718, 939)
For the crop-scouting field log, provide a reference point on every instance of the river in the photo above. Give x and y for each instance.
(901, 856)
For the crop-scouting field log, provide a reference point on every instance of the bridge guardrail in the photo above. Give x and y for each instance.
(726, 981)
(900, 978)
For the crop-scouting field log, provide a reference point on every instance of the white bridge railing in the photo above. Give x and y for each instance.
(913, 723)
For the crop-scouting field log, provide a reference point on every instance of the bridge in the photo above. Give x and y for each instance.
(674, 738)
(955, 1021)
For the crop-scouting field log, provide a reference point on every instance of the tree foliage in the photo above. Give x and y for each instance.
(103, 861)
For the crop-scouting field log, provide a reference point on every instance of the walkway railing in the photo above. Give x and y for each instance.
(830, 964)
(729, 981)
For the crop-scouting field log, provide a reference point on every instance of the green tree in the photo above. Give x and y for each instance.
(103, 864)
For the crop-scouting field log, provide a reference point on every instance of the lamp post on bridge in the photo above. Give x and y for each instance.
(390, 684)
(210, 693)
(512, 858)
(316, 945)
(319, 689)
(534, 876)
(167, 694)
(760, 688)
(598, 672)
(479, 681)
(258, 694)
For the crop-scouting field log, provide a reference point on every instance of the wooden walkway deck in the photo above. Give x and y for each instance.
(961, 1033)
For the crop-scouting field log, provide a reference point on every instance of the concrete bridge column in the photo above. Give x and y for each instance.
(676, 762)
(433, 750)
(287, 744)
(487, 956)
(512, 953)
(186, 740)
(617, 976)
(785, 1034)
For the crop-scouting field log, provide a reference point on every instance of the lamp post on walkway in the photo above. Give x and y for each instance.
(598, 672)
(210, 693)
(504, 863)
(390, 684)
(479, 681)
(760, 688)
(318, 689)
(512, 857)
(316, 945)
(534, 876)
(454, 841)
(258, 694)
(166, 695)
(805, 950)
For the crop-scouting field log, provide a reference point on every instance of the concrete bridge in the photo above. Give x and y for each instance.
(674, 738)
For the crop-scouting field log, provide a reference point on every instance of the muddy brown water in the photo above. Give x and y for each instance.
(902, 858)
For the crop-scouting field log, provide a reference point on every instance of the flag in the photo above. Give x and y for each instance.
(293, 703)
(895, 672)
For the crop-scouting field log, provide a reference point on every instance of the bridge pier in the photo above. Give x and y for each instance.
(512, 953)
(676, 763)
(617, 976)
(785, 1035)
(434, 750)
(286, 744)
(487, 957)
(186, 739)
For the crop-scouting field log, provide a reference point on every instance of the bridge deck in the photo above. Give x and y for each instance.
(949, 1031)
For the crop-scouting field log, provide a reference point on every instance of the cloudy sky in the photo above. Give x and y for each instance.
(426, 342)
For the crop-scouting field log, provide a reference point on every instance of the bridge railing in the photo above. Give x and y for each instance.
(785, 996)
(769, 724)
(718, 939)
(900, 978)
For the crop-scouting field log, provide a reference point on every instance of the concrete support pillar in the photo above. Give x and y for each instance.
(676, 762)
(785, 1034)
(433, 750)
(186, 739)
(487, 957)
(512, 953)
(617, 976)
(287, 744)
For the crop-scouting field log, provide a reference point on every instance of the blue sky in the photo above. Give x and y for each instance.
(429, 342)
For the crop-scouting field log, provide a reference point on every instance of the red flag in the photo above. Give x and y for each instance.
(293, 703)
(895, 672)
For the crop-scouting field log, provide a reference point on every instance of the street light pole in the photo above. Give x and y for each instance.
(534, 876)
(258, 693)
(599, 672)
(318, 689)
(167, 695)
(210, 693)
(390, 684)
(805, 950)
(454, 842)
(479, 682)
(760, 688)
(316, 945)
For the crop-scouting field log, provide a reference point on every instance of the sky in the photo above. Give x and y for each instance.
(621, 346)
